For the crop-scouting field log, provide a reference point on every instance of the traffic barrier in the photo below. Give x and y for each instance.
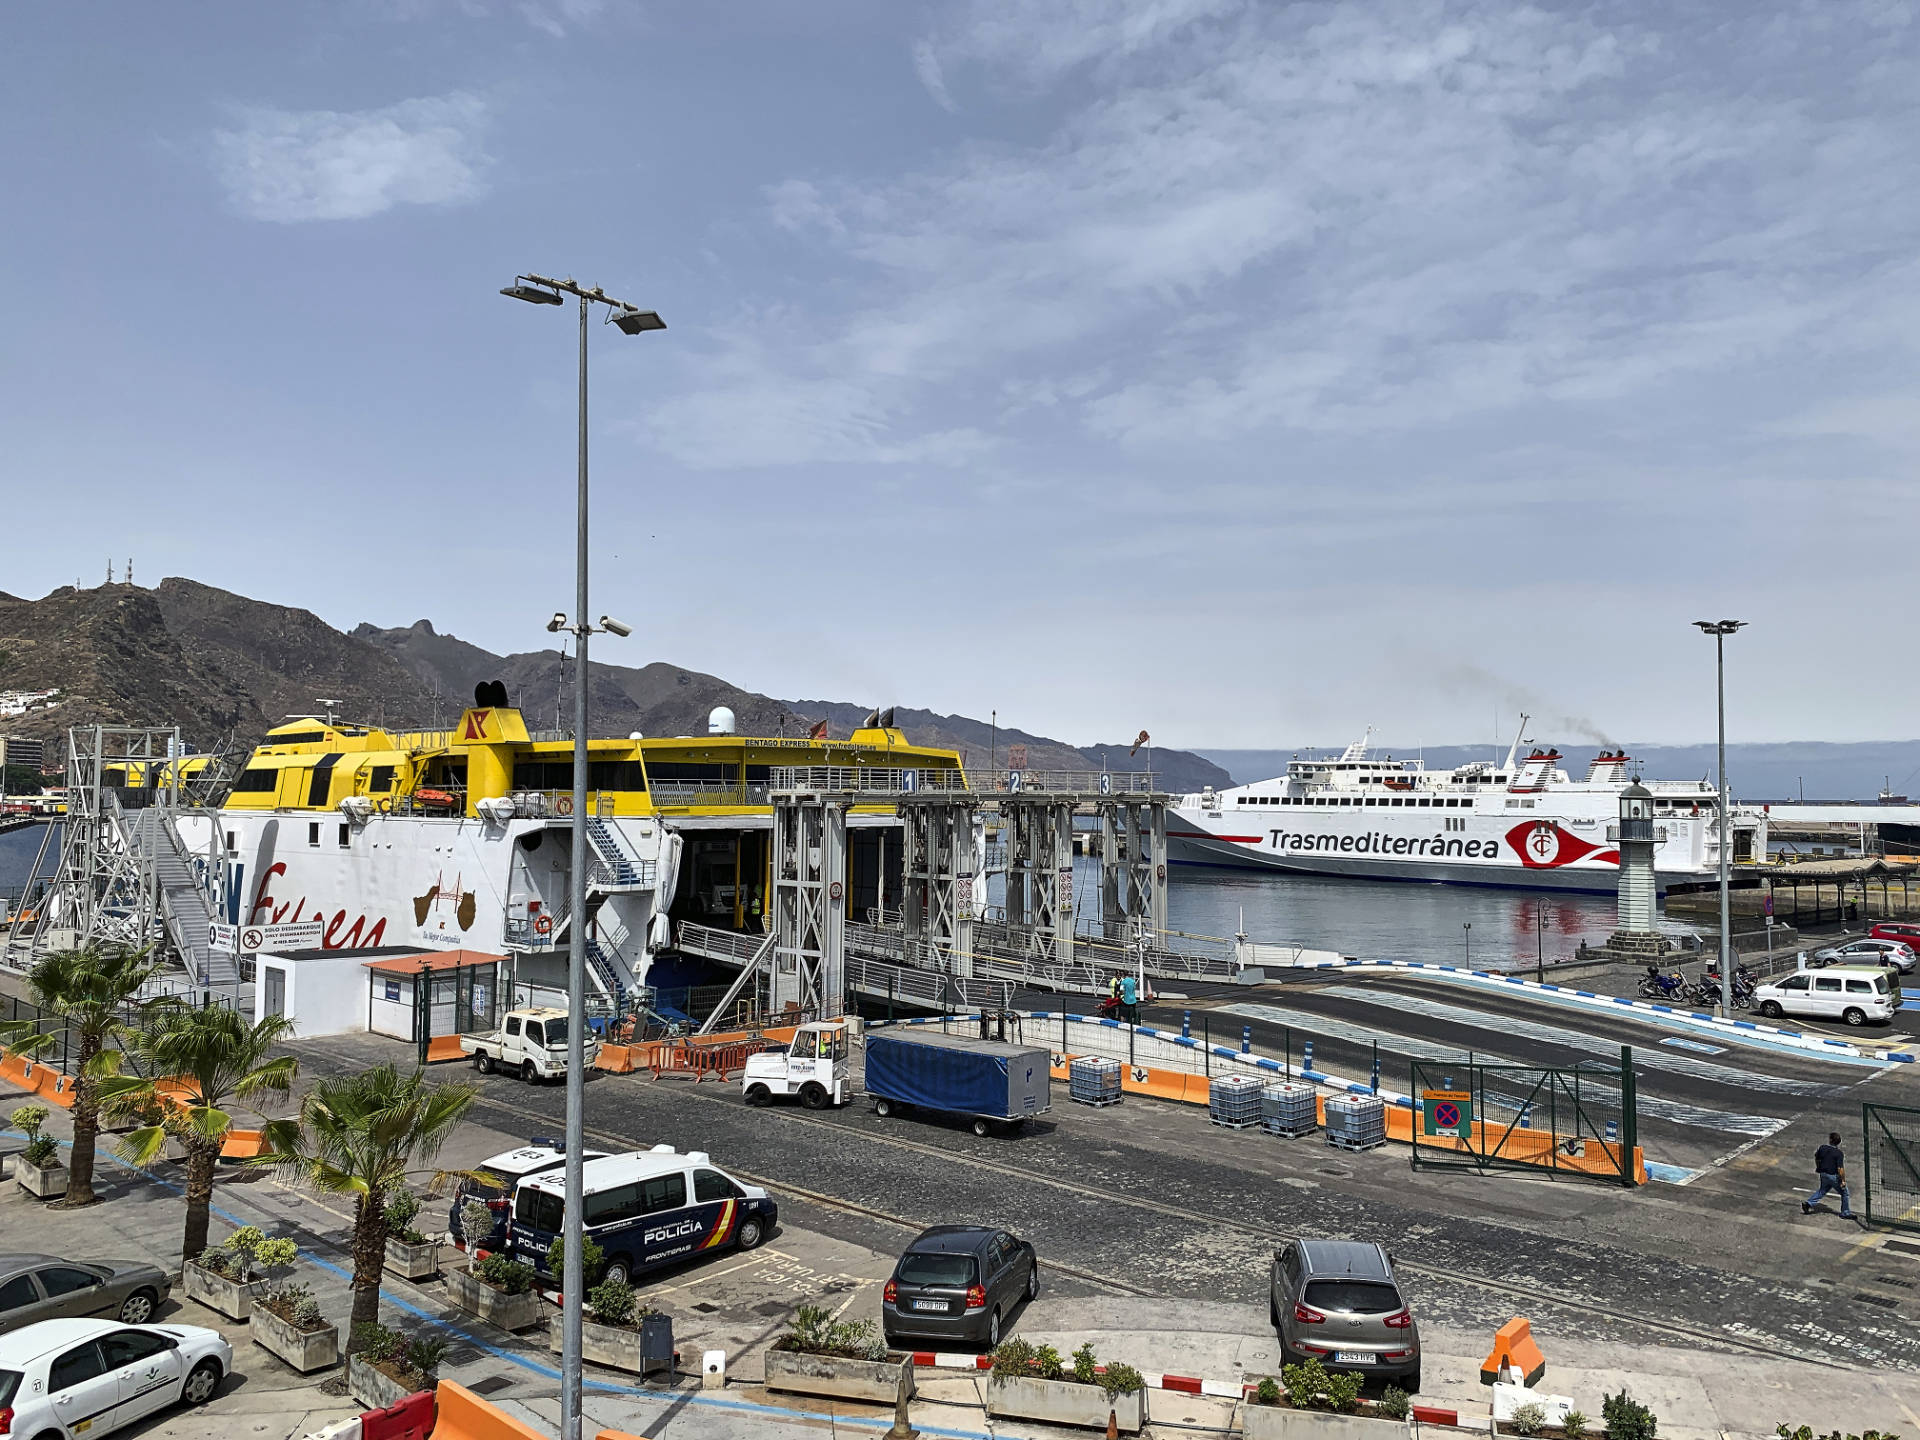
(408, 1419)
(617, 1435)
(465, 1416)
(37, 1079)
(1435, 1415)
(1513, 1346)
(243, 1145)
(443, 1048)
(702, 1059)
(615, 1059)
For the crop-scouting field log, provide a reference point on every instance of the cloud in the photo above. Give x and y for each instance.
(926, 64)
(297, 165)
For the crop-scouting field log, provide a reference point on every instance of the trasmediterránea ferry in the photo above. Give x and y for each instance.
(462, 838)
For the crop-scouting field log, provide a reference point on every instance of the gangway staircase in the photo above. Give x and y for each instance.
(184, 906)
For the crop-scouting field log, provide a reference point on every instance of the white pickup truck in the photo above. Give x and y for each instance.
(530, 1043)
(814, 1067)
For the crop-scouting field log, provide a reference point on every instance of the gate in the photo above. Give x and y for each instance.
(1891, 1165)
(1578, 1121)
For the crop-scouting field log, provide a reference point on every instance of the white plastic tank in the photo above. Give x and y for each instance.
(720, 721)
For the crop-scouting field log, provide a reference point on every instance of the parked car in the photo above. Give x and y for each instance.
(1895, 953)
(506, 1170)
(530, 1043)
(63, 1378)
(958, 1283)
(44, 1287)
(1907, 932)
(1339, 1302)
(1852, 993)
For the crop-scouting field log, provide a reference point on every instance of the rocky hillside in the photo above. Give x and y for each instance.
(220, 664)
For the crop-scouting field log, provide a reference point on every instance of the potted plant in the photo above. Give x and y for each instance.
(225, 1276)
(499, 1290)
(619, 1332)
(1317, 1405)
(38, 1167)
(386, 1367)
(1031, 1383)
(287, 1322)
(410, 1255)
(844, 1359)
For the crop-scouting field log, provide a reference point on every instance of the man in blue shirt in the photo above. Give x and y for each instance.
(1830, 1164)
(1129, 1000)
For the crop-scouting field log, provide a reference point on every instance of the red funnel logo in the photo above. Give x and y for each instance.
(1543, 845)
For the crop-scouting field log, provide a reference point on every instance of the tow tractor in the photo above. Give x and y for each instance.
(814, 1067)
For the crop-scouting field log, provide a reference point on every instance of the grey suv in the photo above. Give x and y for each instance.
(1337, 1301)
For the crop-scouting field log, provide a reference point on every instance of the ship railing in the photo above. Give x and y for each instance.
(558, 804)
(686, 794)
(903, 779)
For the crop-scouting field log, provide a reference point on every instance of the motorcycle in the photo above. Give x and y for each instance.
(1659, 986)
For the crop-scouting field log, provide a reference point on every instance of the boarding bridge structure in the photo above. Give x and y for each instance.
(943, 947)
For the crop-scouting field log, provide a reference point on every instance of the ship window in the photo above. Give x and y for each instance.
(380, 779)
(1371, 801)
(1423, 802)
(1239, 799)
(305, 737)
(230, 849)
(346, 836)
(256, 782)
(615, 775)
(313, 834)
(687, 770)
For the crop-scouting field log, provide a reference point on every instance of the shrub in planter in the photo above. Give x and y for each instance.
(499, 1290)
(1267, 1392)
(507, 1275)
(1626, 1418)
(814, 1331)
(1310, 1387)
(1574, 1425)
(476, 1222)
(386, 1366)
(1084, 1394)
(619, 1332)
(38, 1167)
(224, 1276)
(592, 1258)
(287, 1322)
(1396, 1404)
(840, 1359)
(410, 1255)
(1806, 1432)
(1528, 1419)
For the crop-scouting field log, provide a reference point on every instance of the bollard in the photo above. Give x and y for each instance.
(1246, 1039)
(1525, 1122)
(1306, 1059)
(1376, 1069)
(1186, 1024)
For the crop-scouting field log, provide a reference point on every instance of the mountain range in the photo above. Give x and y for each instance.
(219, 664)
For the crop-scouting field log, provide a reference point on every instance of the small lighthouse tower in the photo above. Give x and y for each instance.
(1637, 934)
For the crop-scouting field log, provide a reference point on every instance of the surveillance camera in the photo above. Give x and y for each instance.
(615, 627)
(558, 622)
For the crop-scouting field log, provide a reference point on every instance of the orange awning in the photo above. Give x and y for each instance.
(430, 960)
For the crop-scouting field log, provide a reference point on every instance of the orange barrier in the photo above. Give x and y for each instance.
(243, 1145)
(701, 1059)
(465, 1416)
(1513, 1345)
(442, 1048)
(37, 1079)
(617, 1435)
(615, 1059)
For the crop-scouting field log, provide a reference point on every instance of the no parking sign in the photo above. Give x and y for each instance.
(1447, 1112)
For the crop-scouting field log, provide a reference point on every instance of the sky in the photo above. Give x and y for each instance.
(1242, 371)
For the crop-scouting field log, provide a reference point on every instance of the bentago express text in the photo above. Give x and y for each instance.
(1374, 843)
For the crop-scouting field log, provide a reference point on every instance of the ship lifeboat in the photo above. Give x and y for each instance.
(438, 798)
(1394, 782)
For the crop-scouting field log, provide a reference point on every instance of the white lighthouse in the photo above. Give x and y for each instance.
(1636, 933)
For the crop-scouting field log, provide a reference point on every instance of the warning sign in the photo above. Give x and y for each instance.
(1447, 1112)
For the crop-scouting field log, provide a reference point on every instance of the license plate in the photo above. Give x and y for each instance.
(939, 1305)
(1351, 1357)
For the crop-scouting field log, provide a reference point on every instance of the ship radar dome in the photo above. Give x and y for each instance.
(720, 721)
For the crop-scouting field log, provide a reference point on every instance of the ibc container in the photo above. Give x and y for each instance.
(1234, 1101)
(1094, 1080)
(1356, 1122)
(1287, 1108)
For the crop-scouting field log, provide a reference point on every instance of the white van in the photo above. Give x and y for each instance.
(1853, 993)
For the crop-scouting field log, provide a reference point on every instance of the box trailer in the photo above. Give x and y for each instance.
(989, 1081)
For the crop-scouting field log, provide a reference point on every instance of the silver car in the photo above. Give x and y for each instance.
(44, 1287)
(1895, 954)
(1338, 1302)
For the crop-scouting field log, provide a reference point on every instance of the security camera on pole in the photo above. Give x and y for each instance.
(539, 290)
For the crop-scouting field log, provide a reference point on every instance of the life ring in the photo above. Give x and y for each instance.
(564, 805)
(543, 925)
(386, 804)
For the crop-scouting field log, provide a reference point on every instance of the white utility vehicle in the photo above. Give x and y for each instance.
(814, 1067)
(530, 1043)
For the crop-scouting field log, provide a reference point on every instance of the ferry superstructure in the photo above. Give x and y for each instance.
(461, 838)
(1523, 823)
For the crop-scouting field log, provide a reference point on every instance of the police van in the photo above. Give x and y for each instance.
(644, 1209)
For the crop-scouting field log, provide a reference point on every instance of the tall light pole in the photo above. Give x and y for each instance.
(1466, 939)
(1720, 629)
(539, 290)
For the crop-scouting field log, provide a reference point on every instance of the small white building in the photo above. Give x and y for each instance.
(324, 992)
(460, 990)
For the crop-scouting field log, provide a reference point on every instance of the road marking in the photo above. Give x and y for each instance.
(1652, 1057)
(1680, 1042)
(1676, 1112)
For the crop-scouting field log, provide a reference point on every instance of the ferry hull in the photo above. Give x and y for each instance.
(1191, 848)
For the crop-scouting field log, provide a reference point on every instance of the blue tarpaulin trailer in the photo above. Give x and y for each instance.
(987, 1080)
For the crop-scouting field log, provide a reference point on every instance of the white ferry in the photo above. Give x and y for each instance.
(1521, 823)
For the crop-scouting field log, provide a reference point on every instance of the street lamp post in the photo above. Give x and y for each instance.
(540, 290)
(1466, 939)
(1720, 629)
(1540, 944)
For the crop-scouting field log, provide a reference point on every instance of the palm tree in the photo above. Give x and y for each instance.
(197, 1062)
(95, 989)
(359, 1135)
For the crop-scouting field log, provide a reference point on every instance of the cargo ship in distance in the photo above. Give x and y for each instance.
(1521, 824)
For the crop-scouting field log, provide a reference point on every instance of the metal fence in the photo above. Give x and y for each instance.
(1579, 1121)
(1890, 1165)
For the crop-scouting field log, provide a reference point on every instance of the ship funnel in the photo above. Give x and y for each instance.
(720, 721)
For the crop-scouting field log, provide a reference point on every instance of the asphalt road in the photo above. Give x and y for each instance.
(1147, 1198)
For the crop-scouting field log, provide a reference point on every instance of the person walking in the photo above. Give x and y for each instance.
(1830, 1164)
(1130, 1000)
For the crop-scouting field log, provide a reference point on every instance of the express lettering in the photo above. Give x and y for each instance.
(339, 935)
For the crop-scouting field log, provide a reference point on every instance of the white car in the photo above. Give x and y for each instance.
(1853, 993)
(61, 1379)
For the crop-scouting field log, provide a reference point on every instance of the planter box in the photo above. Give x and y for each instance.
(1061, 1402)
(509, 1312)
(373, 1388)
(613, 1346)
(49, 1183)
(413, 1262)
(304, 1350)
(874, 1380)
(1277, 1422)
(231, 1298)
